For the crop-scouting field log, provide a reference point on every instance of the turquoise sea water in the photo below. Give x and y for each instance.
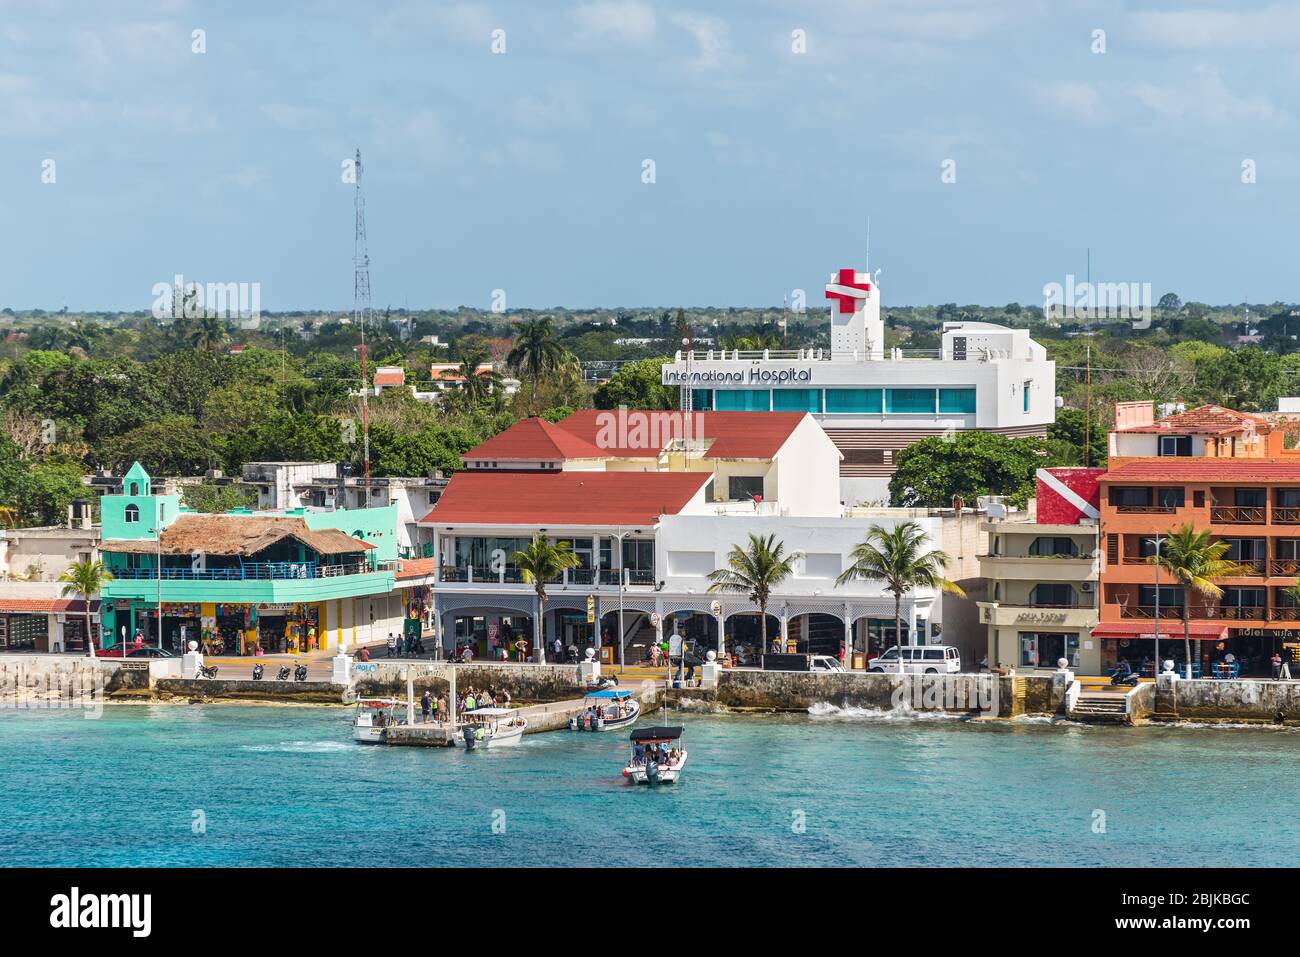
(286, 786)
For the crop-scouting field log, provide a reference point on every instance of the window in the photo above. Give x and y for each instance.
(1170, 497)
(797, 400)
(909, 401)
(1175, 445)
(849, 401)
(1054, 546)
(1248, 497)
(1025, 393)
(135, 488)
(132, 514)
(702, 400)
(742, 400)
(639, 554)
(1130, 497)
(742, 488)
(1288, 497)
(1171, 596)
(1243, 598)
(1052, 596)
(958, 401)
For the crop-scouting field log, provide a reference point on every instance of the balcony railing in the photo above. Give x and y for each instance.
(253, 571)
(572, 576)
(1145, 509)
(1286, 613)
(1286, 515)
(1237, 514)
(1289, 567)
(1149, 611)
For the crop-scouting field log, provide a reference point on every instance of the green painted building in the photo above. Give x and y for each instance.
(296, 580)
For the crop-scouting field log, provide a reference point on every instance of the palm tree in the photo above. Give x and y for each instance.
(754, 571)
(86, 578)
(478, 385)
(208, 333)
(535, 353)
(900, 559)
(540, 562)
(1196, 562)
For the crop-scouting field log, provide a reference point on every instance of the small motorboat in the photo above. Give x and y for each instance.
(373, 718)
(657, 756)
(606, 710)
(489, 728)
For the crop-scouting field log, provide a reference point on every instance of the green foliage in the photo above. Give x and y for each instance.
(1066, 436)
(970, 464)
(557, 412)
(638, 385)
(210, 497)
(174, 445)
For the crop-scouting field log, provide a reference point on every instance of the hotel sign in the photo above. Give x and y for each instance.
(1041, 617)
(755, 375)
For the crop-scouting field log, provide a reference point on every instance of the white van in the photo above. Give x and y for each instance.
(919, 660)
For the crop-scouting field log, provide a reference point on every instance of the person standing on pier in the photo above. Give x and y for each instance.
(426, 705)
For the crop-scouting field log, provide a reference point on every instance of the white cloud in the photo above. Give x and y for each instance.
(1204, 97)
(711, 38)
(622, 22)
(1074, 101)
(1271, 27)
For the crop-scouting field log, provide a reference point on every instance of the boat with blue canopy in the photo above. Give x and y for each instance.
(606, 710)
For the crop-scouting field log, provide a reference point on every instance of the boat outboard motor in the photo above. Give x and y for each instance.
(573, 724)
(651, 770)
(470, 736)
(257, 671)
(300, 673)
(283, 674)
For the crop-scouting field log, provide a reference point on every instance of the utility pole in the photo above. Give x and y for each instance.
(360, 312)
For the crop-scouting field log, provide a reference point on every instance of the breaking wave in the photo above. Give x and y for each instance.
(827, 711)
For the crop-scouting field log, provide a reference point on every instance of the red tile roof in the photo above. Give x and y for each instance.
(46, 606)
(531, 440)
(1206, 420)
(539, 499)
(415, 568)
(390, 378)
(732, 435)
(1177, 469)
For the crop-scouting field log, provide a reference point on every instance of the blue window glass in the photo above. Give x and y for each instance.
(797, 400)
(957, 400)
(859, 401)
(910, 400)
(741, 400)
(1028, 385)
(701, 400)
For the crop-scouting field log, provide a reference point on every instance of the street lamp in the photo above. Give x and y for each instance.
(619, 536)
(1157, 541)
(157, 537)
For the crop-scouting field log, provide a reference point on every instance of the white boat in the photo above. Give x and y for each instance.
(374, 716)
(490, 728)
(606, 711)
(657, 756)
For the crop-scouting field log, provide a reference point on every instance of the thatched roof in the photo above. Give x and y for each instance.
(242, 535)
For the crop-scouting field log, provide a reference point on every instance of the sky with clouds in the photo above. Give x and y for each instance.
(523, 170)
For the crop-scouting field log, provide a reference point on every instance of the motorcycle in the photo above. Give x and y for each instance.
(257, 671)
(283, 674)
(207, 671)
(300, 673)
(1124, 679)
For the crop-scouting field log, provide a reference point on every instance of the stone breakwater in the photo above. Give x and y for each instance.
(527, 684)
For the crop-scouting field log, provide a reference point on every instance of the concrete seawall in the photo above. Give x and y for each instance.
(986, 694)
(1203, 699)
(526, 683)
(288, 692)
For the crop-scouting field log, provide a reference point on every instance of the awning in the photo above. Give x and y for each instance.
(1170, 628)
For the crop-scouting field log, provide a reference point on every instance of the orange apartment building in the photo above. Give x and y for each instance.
(1220, 470)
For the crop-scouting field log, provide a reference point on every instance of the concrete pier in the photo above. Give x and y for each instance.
(550, 716)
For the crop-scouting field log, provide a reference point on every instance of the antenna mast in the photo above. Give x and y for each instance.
(361, 311)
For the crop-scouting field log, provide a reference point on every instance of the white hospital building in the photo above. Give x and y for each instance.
(873, 402)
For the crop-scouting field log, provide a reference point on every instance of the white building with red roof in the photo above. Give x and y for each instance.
(651, 503)
(872, 401)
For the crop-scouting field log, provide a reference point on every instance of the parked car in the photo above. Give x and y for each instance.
(919, 660)
(785, 662)
(147, 652)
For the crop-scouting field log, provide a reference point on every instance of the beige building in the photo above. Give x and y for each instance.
(1041, 594)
